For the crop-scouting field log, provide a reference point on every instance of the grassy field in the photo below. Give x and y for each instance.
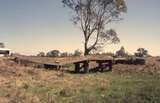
(20, 84)
(95, 88)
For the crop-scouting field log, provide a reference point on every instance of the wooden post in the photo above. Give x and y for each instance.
(100, 66)
(77, 67)
(86, 66)
(58, 67)
(110, 65)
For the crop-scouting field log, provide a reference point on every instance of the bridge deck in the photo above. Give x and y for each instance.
(79, 62)
(62, 61)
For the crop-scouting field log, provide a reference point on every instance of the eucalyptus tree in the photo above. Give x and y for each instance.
(92, 16)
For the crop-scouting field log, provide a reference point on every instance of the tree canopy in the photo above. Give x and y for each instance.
(92, 16)
(141, 52)
(53, 53)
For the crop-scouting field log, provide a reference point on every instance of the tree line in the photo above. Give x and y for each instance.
(141, 52)
(57, 53)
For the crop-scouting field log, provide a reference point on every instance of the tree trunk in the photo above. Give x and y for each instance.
(86, 64)
(86, 67)
(86, 51)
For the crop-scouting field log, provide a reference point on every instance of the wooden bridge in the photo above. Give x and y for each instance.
(80, 63)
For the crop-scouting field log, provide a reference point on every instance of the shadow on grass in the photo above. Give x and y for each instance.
(92, 70)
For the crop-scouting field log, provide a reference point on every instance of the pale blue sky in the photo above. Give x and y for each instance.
(30, 26)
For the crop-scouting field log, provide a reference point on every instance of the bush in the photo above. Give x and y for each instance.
(121, 52)
(41, 54)
(77, 53)
(2, 45)
(141, 52)
(53, 53)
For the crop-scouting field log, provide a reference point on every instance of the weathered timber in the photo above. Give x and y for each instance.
(81, 65)
(79, 62)
(102, 64)
(50, 66)
(77, 67)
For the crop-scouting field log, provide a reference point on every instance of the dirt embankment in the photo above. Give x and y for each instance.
(152, 66)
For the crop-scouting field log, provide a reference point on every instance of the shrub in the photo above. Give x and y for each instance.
(121, 52)
(41, 54)
(53, 53)
(77, 53)
(141, 52)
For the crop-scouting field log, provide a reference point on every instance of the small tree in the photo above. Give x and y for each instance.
(141, 52)
(2, 45)
(41, 54)
(92, 16)
(77, 53)
(121, 52)
(53, 53)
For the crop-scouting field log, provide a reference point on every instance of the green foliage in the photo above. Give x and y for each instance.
(53, 53)
(141, 52)
(92, 16)
(122, 52)
(2, 45)
(77, 53)
(101, 88)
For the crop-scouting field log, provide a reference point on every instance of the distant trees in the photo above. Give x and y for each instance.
(92, 16)
(53, 53)
(2, 45)
(57, 53)
(141, 52)
(64, 54)
(41, 54)
(121, 52)
(77, 53)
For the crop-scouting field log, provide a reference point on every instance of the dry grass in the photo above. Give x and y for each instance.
(19, 84)
(152, 67)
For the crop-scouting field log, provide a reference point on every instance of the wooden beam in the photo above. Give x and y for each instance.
(102, 64)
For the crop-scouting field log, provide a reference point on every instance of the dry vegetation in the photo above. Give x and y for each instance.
(19, 84)
(152, 67)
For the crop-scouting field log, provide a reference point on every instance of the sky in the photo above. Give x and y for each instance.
(31, 26)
